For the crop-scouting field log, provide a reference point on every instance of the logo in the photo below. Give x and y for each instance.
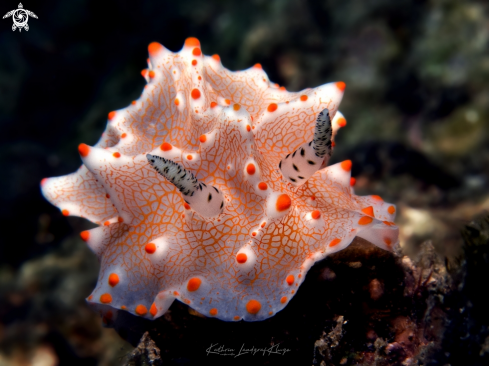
(20, 17)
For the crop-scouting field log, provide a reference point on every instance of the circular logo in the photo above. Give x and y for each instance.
(20, 17)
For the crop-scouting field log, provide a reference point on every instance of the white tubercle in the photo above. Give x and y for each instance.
(278, 205)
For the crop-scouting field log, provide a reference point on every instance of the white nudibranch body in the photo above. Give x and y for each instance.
(213, 189)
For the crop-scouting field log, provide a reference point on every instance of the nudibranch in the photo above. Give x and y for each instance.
(213, 189)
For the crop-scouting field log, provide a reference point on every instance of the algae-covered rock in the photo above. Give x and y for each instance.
(145, 354)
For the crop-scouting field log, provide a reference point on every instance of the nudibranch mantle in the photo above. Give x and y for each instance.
(235, 237)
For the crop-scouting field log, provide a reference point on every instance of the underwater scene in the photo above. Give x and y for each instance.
(265, 182)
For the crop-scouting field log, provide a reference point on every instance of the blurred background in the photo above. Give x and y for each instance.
(416, 102)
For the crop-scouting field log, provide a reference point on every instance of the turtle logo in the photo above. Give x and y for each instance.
(20, 17)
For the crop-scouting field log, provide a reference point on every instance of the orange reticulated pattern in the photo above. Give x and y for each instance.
(155, 248)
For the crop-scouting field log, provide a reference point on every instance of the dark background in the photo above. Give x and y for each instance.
(416, 104)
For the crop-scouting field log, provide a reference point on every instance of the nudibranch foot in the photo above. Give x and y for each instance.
(212, 189)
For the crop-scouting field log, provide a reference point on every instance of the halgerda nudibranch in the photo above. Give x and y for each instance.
(212, 188)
